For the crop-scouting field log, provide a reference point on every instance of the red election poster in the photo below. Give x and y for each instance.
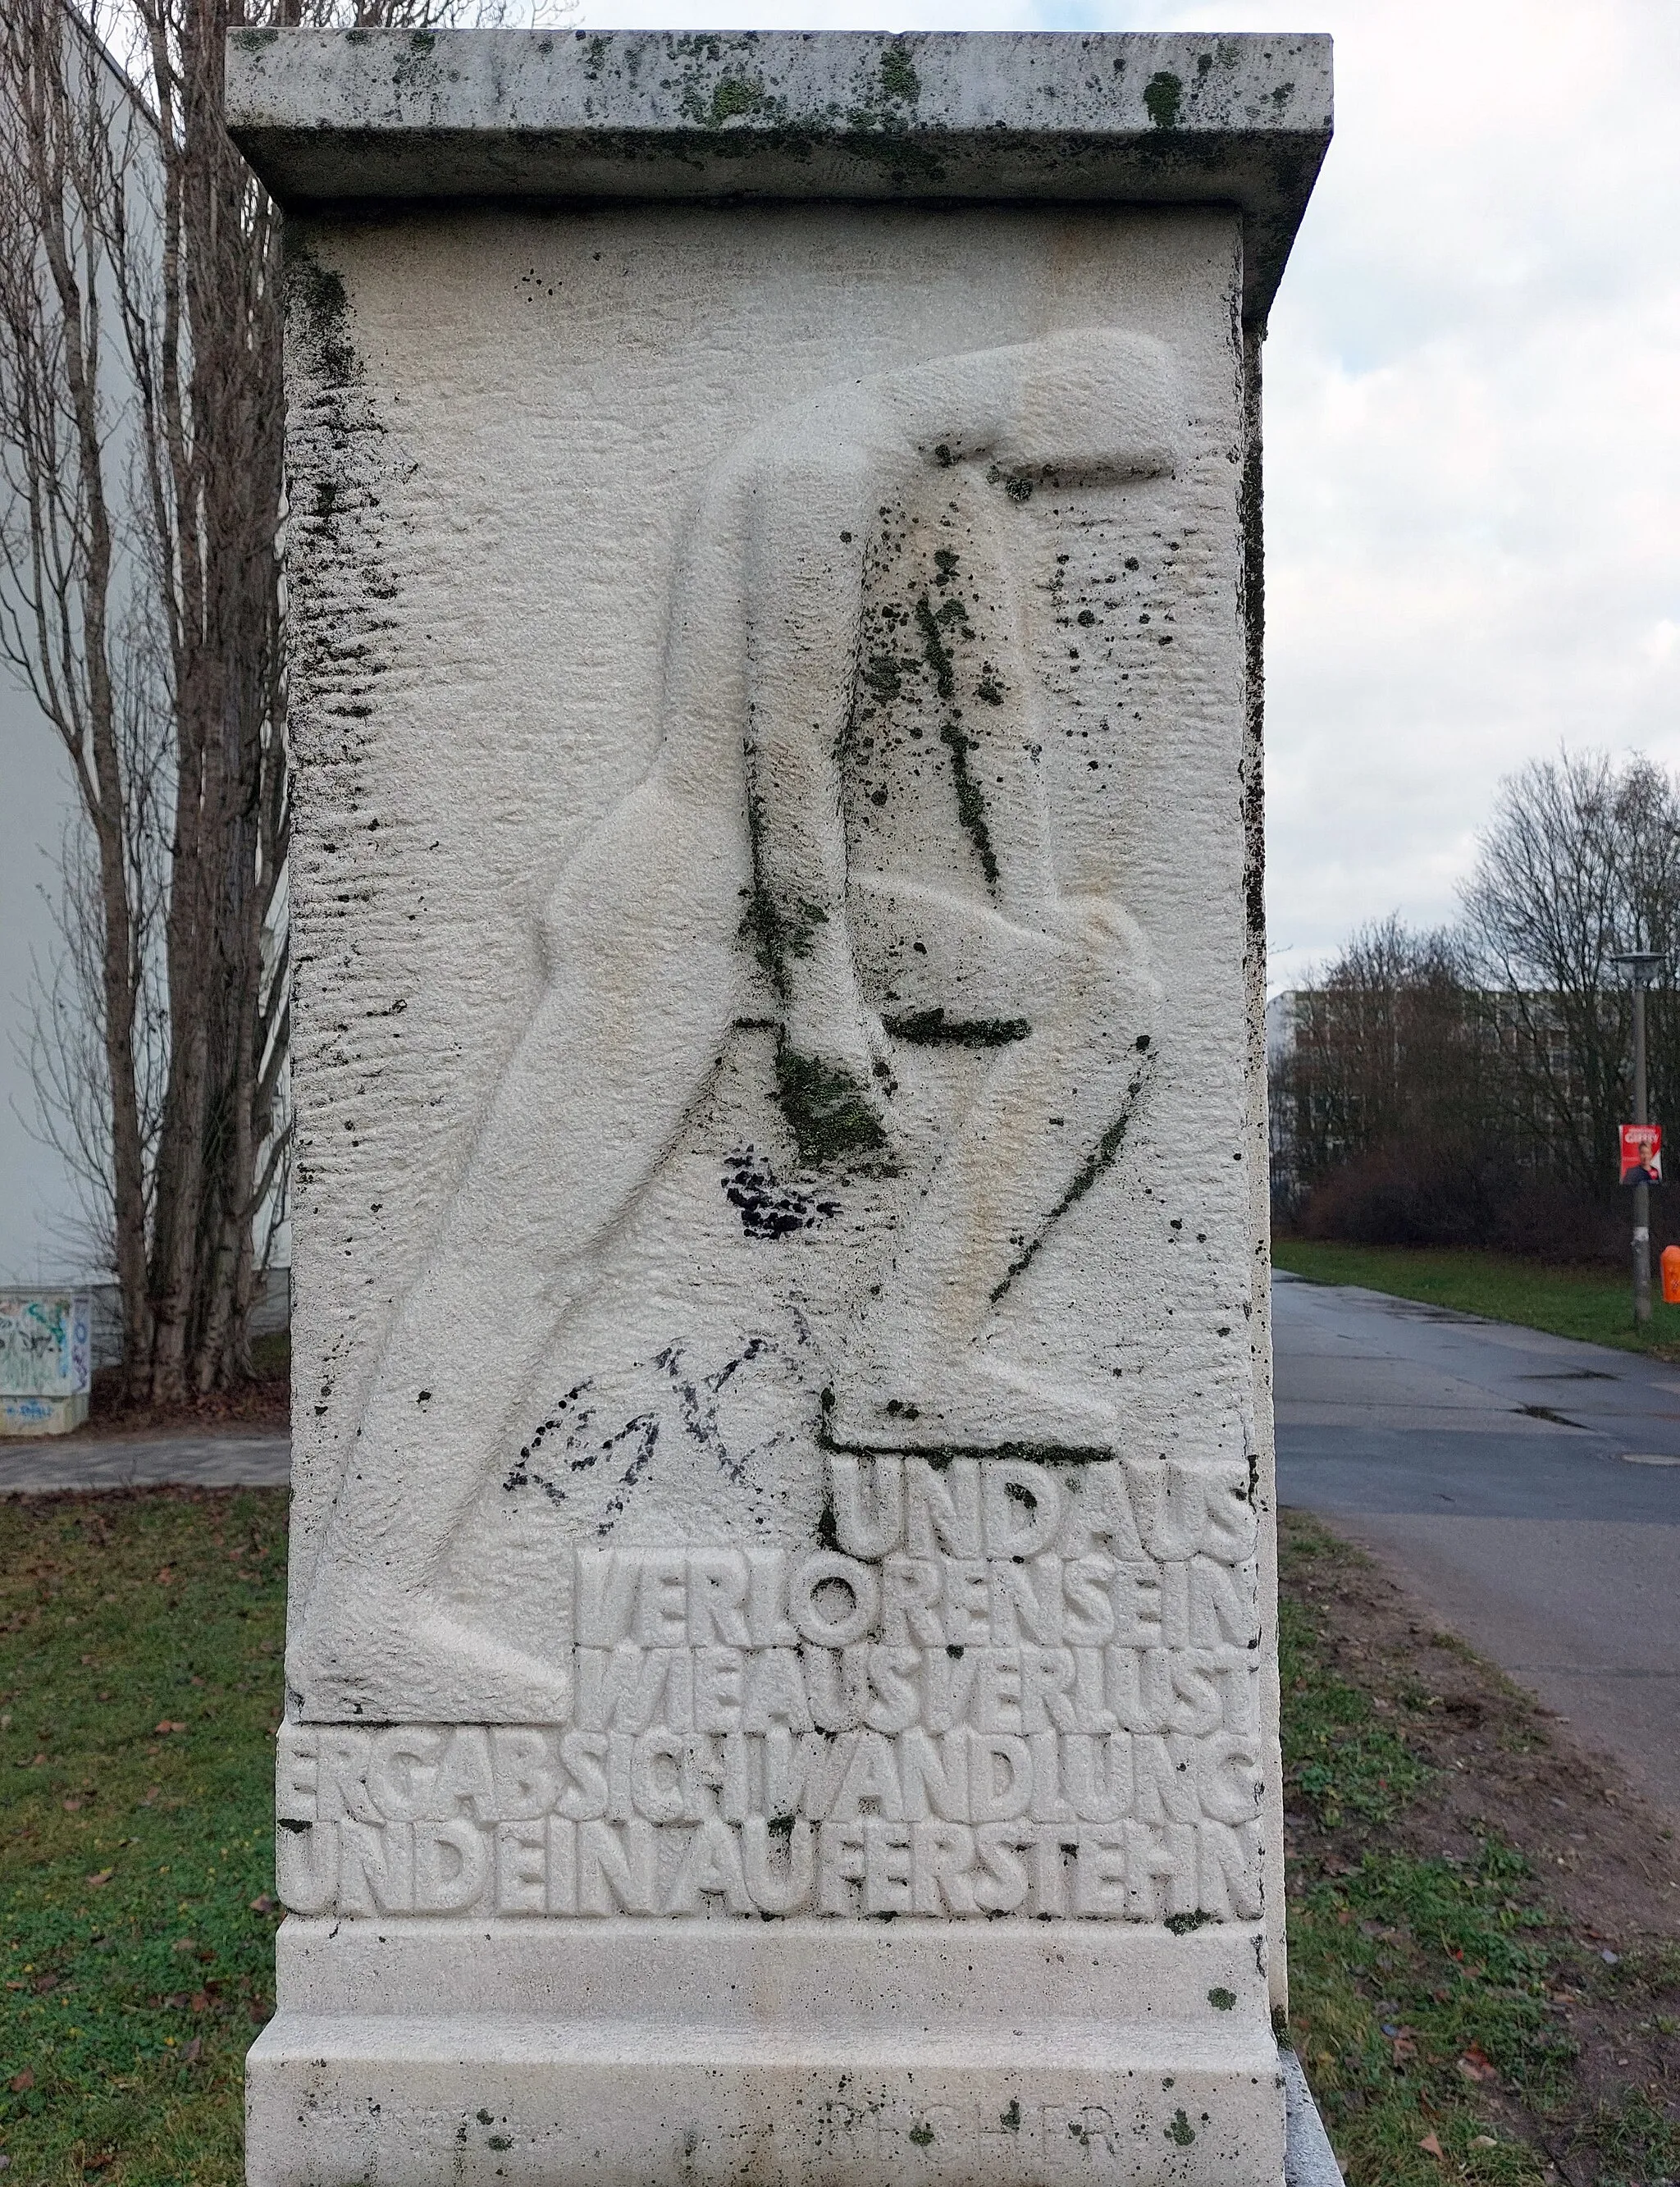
(1642, 1154)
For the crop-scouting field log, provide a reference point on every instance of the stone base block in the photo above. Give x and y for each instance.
(791, 2054)
(43, 1416)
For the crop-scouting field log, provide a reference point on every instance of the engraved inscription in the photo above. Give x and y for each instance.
(1007, 1687)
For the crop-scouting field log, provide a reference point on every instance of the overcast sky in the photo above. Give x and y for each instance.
(1473, 398)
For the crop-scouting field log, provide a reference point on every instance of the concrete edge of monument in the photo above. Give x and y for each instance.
(1309, 2160)
(338, 118)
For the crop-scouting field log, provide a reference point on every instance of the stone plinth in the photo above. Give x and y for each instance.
(782, 1669)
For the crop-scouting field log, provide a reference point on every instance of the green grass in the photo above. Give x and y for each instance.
(137, 1968)
(1592, 1304)
(1415, 1982)
(1399, 1966)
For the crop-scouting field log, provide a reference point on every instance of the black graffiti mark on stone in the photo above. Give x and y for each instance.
(648, 1426)
(583, 1449)
(698, 1396)
(768, 1207)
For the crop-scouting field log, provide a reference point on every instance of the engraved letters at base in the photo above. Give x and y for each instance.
(1010, 1688)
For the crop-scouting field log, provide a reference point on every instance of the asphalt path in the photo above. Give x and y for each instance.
(1527, 1488)
(232, 1460)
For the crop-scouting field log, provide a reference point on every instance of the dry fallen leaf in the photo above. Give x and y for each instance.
(1483, 2141)
(165, 1577)
(1431, 2146)
(264, 1905)
(100, 1878)
(190, 2055)
(21, 2083)
(1475, 2065)
(168, 1725)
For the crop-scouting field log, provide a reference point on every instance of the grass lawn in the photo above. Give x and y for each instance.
(140, 1687)
(1484, 1941)
(1593, 1303)
(139, 1690)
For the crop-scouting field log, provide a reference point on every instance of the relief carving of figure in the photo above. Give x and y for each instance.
(846, 814)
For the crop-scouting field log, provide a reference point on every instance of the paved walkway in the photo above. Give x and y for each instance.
(232, 1460)
(1526, 1488)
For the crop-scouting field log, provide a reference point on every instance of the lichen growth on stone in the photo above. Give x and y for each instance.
(1164, 99)
(828, 1113)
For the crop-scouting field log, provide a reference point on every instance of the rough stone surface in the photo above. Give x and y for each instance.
(1006, 116)
(782, 1669)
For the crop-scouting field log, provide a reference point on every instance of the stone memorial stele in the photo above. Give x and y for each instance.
(781, 1679)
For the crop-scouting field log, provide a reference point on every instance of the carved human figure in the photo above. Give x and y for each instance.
(770, 788)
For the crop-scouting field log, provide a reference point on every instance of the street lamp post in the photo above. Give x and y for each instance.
(1639, 964)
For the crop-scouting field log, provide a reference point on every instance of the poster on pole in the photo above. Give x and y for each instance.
(1642, 1154)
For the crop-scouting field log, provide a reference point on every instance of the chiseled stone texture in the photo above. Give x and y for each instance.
(782, 1675)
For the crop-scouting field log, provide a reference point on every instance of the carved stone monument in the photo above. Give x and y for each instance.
(782, 1672)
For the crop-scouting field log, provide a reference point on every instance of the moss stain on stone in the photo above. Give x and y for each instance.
(829, 1114)
(733, 99)
(1164, 99)
(970, 803)
(899, 79)
(1100, 1158)
(319, 295)
(932, 1028)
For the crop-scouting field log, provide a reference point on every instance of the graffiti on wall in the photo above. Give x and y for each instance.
(46, 1343)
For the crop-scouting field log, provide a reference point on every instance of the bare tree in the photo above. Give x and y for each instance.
(202, 322)
(1581, 859)
(1391, 1045)
(141, 417)
(71, 175)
